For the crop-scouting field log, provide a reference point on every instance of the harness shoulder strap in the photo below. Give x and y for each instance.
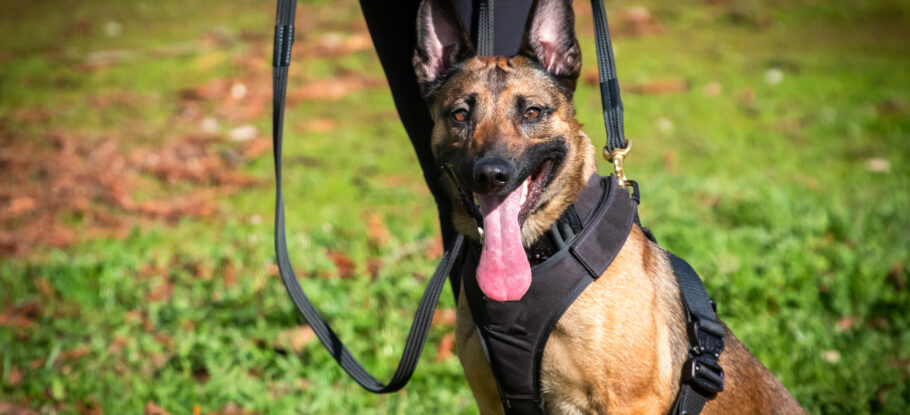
(284, 37)
(702, 377)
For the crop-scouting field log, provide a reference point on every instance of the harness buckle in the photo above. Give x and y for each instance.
(705, 337)
(704, 372)
(702, 369)
(616, 157)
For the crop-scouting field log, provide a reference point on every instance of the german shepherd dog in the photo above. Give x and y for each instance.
(505, 132)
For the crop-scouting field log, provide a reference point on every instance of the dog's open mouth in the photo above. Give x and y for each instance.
(503, 272)
(530, 191)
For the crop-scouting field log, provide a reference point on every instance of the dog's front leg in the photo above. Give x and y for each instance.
(474, 361)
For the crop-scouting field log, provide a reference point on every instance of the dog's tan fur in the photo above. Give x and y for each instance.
(620, 346)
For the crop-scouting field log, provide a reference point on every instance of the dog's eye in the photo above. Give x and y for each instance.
(460, 115)
(532, 113)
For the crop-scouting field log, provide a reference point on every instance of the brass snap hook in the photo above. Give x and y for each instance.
(616, 157)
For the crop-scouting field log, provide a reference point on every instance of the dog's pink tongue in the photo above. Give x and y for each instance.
(503, 273)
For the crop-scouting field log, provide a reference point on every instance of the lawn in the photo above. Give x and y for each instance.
(771, 142)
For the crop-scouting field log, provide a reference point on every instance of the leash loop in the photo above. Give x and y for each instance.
(423, 317)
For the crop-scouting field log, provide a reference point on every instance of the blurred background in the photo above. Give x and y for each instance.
(136, 268)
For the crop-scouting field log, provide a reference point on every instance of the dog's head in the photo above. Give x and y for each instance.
(505, 126)
(505, 129)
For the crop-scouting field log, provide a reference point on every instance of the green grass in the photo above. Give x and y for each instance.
(763, 187)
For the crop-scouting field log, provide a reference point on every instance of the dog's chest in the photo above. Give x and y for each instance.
(610, 351)
(514, 334)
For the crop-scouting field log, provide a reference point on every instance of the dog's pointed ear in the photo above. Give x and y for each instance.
(550, 40)
(442, 41)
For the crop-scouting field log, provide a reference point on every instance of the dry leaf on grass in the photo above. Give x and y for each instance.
(21, 317)
(8, 408)
(658, 87)
(343, 263)
(294, 339)
(378, 234)
(15, 377)
(444, 349)
(332, 88)
(152, 409)
(444, 316)
(233, 409)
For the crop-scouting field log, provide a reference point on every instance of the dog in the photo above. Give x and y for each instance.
(505, 130)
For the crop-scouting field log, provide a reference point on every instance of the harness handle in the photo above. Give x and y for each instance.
(284, 38)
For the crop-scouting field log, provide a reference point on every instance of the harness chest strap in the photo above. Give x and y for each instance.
(514, 333)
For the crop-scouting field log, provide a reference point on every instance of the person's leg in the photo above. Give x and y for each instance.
(392, 26)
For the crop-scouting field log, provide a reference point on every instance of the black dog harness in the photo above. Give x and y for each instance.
(514, 333)
(576, 251)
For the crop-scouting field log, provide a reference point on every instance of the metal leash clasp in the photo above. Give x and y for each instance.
(616, 157)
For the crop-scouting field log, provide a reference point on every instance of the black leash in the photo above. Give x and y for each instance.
(284, 38)
(702, 376)
(609, 84)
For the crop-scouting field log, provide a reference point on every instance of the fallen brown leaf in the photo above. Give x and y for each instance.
(374, 265)
(378, 234)
(74, 353)
(897, 277)
(658, 87)
(15, 377)
(336, 44)
(21, 317)
(434, 248)
(8, 408)
(444, 349)
(233, 409)
(152, 409)
(318, 125)
(846, 323)
(229, 273)
(332, 88)
(669, 160)
(93, 407)
(637, 21)
(591, 77)
(162, 291)
(712, 89)
(343, 263)
(17, 207)
(294, 339)
(117, 344)
(272, 270)
(255, 147)
(444, 316)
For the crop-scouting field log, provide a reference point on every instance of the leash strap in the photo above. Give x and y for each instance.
(609, 84)
(485, 28)
(284, 38)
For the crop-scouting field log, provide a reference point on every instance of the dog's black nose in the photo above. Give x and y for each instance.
(492, 174)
